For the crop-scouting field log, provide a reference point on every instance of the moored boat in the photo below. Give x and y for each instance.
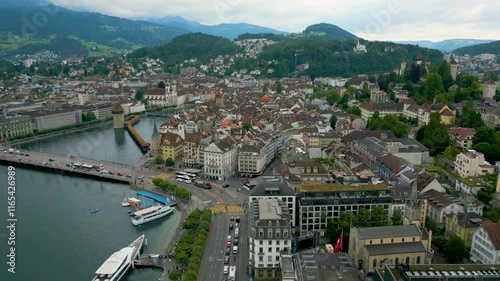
(115, 267)
(150, 214)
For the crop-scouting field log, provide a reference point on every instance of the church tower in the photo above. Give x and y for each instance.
(454, 68)
(155, 142)
(418, 59)
(219, 99)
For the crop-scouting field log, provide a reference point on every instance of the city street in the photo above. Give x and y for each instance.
(213, 259)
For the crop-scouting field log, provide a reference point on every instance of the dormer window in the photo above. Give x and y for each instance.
(269, 233)
(277, 223)
(270, 223)
(261, 233)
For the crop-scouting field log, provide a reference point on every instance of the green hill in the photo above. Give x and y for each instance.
(68, 32)
(187, 46)
(336, 58)
(490, 48)
(329, 31)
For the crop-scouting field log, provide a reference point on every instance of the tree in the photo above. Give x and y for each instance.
(378, 217)
(363, 217)
(354, 110)
(139, 95)
(161, 85)
(470, 118)
(174, 275)
(435, 135)
(445, 72)
(332, 97)
(331, 231)
(451, 153)
(159, 161)
(246, 126)
(90, 116)
(433, 86)
(415, 73)
(333, 121)
(169, 162)
(484, 134)
(397, 218)
(278, 87)
(455, 250)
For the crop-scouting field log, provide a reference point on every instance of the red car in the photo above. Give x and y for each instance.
(120, 174)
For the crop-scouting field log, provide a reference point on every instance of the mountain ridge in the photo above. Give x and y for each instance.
(447, 45)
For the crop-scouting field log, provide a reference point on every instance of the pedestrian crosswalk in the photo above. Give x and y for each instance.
(235, 209)
(218, 209)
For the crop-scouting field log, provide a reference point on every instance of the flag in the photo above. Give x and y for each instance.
(338, 245)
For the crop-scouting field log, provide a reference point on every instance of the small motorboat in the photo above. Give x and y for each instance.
(94, 211)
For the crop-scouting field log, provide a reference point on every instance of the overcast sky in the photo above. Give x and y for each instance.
(370, 19)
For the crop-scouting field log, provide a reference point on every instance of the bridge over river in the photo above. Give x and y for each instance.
(114, 171)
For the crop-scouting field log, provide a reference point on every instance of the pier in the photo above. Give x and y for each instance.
(155, 197)
(149, 261)
(60, 163)
(143, 145)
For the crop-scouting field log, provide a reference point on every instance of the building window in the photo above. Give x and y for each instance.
(407, 260)
(370, 242)
(374, 263)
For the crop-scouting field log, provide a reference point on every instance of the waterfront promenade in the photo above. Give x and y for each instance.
(54, 162)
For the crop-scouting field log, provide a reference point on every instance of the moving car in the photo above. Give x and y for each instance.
(225, 185)
(226, 269)
(119, 174)
(226, 260)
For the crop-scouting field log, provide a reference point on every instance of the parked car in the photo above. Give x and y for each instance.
(226, 260)
(228, 251)
(228, 244)
(226, 269)
(235, 242)
(51, 160)
(111, 173)
(225, 185)
(231, 226)
(120, 174)
(129, 176)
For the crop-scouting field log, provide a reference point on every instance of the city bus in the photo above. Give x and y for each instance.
(185, 179)
(184, 174)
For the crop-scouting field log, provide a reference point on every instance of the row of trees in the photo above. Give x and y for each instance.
(190, 247)
(172, 188)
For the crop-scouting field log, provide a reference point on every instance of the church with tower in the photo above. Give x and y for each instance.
(162, 96)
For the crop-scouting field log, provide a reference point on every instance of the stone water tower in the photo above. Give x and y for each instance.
(118, 118)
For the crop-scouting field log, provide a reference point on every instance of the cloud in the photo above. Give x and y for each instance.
(371, 19)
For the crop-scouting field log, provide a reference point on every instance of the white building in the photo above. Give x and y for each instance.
(269, 235)
(220, 159)
(485, 246)
(359, 48)
(252, 158)
(471, 164)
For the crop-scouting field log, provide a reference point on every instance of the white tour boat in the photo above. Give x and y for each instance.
(150, 214)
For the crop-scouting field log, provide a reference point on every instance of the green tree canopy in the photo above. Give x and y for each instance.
(169, 162)
(354, 110)
(333, 121)
(455, 250)
(433, 86)
(139, 94)
(435, 135)
(332, 96)
(484, 134)
(397, 218)
(470, 118)
(246, 125)
(89, 116)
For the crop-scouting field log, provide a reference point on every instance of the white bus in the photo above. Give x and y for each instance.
(185, 179)
(184, 174)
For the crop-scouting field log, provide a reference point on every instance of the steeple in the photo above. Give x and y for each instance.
(155, 131)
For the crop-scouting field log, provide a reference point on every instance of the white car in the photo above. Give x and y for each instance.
(104, 171)
(226, 269)
(187, 181)
(178, 179)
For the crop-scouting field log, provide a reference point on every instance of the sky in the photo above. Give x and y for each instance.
(384, 20)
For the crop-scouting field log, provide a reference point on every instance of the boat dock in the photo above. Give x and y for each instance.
(149, 262)
(156, 197)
